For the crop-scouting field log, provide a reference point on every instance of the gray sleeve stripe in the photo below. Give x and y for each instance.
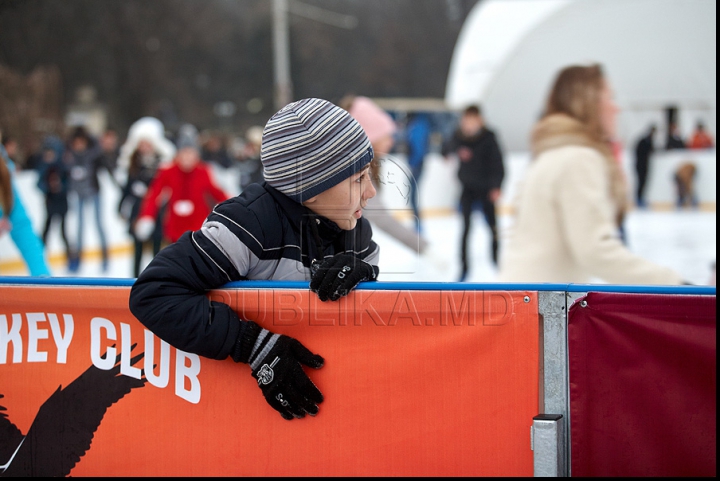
(249, 265)
(229, 244)
(265, 350)
(192, 236)
(374, 254)
(252, 236)
(245, 261)
(278, 269)
(374, 257)
(258, 341)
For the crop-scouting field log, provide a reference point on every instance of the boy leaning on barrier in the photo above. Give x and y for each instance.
(304, 222)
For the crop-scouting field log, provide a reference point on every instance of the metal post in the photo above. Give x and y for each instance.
(552, 307)
(554, 385)
(281, 50)
(548, 445)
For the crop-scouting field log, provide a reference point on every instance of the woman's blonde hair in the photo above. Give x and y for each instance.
(572, 117)
(576, 93)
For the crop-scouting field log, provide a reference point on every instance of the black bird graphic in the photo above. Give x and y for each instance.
(65, 424)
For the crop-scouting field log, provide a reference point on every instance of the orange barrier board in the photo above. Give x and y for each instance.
(416, 383)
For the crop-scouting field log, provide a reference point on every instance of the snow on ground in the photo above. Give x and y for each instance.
(681, 239)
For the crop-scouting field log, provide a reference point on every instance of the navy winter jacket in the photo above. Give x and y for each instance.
(485, 170)
(260, 234)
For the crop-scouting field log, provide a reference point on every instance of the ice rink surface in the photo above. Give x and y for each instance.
(681, 239)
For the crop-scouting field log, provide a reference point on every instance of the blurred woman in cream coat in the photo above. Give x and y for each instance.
(573, 197)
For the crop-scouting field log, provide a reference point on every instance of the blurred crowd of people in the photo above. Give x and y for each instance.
(568, 215)
(165, 182)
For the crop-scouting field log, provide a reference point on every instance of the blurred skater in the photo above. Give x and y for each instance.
(186, 187)
(674, 139)
(144, 163)
(643, 153)
(380, 129)
(53, 180)
(15, 221)
(573, 194)
(143, 128)
(419, 128)
(248, 159)
(85, 160)
(700, 139)
(684, 178)
(481, 173)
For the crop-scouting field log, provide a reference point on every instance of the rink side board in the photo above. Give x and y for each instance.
(643, 390)
(416, 383)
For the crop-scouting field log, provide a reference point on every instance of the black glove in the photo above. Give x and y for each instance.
(337, 276)
(275, 361)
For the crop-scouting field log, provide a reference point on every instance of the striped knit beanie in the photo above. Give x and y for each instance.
(310, 146)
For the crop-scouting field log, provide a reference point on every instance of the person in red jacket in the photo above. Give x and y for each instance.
(186, 187)
(700, 138)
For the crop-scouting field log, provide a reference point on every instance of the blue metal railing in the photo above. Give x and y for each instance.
(382, 285)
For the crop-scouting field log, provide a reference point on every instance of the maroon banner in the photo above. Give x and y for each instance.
(642, 385)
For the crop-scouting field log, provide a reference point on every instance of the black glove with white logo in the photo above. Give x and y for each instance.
(337, 276)
(276, 362)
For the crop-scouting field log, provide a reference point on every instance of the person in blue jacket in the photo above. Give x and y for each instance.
(419, 129)
(14, 218)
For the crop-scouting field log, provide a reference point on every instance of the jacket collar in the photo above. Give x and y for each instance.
(299, 214)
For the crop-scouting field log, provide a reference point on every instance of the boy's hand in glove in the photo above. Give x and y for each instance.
(276, 362)
(337, 276)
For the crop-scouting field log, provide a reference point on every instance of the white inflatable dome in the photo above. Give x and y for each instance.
(656, 53)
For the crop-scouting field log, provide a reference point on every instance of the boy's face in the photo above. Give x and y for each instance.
(344, 202)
